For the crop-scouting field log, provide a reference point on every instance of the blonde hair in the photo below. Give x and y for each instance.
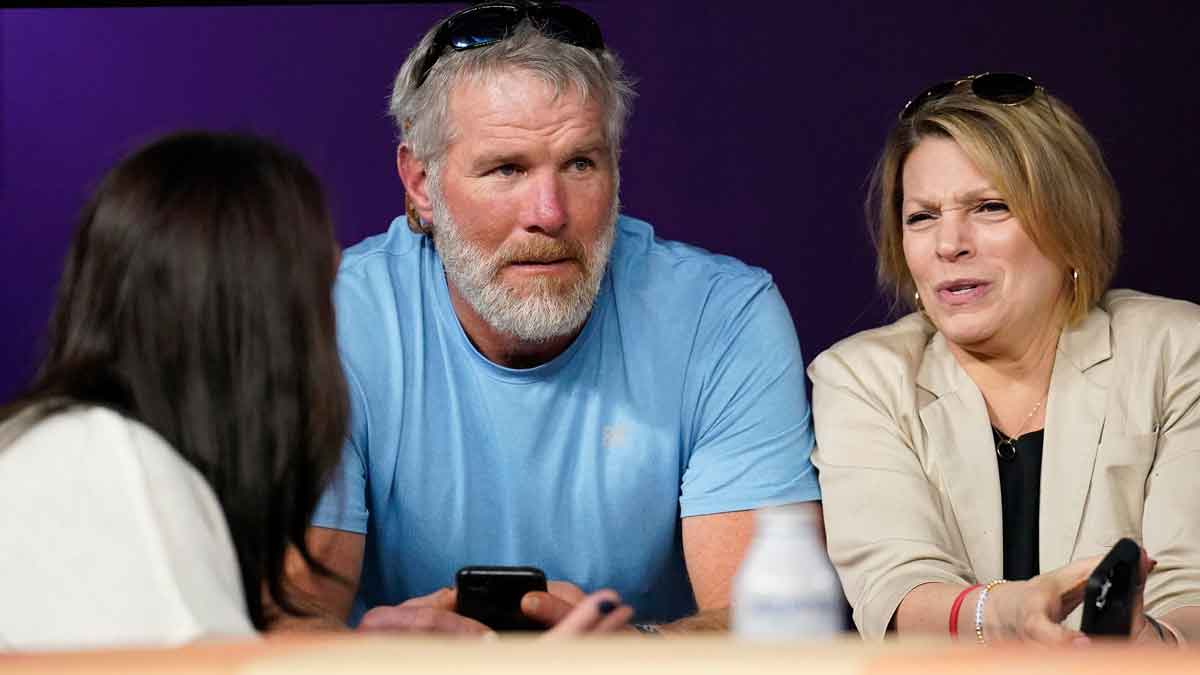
(1040, 157)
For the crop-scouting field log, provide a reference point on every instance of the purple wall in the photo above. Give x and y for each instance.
(752, 135)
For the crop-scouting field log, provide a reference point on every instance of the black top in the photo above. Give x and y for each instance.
(1020, 496)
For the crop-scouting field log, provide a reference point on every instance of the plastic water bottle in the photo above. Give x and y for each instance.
(786, 588)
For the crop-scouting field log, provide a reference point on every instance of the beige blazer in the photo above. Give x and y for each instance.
(908, 469)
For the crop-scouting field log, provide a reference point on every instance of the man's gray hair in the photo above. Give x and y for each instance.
(422, 114)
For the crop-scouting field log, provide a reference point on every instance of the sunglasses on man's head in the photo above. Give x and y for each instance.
(1003, 88)
(489, 23)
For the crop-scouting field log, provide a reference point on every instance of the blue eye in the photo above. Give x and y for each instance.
(993, 206)
(581, 164)
(506, 170)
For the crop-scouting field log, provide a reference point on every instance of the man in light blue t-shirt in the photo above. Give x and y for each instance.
(535, 381)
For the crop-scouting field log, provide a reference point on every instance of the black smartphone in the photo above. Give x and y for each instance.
(491, 594)
(1108, 599)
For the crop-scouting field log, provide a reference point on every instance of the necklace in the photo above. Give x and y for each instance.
(1007, 447)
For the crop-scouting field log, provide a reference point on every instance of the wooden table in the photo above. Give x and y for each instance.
(624, 655)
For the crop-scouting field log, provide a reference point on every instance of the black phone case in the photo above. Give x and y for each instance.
(492, 595)
(1108, 599)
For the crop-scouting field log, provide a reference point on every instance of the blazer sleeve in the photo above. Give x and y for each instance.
(1171, 514)
(885, 526)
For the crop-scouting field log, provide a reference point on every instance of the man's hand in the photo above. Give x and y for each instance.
(554, 608)
(564, 608)
(568, 612)
(433, 613)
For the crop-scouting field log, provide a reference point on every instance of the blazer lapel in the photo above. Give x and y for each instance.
(1074, 422)
(959, 437)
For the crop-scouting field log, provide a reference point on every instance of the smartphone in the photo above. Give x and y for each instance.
(1108, 599)
(492, 595)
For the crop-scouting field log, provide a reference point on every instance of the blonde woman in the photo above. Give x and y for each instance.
(978, 456)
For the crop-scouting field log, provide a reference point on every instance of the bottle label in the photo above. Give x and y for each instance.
(764, 616)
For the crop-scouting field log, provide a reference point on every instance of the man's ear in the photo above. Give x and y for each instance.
(417, 205)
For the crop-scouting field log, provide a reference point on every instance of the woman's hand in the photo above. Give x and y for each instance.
(1033, 610)
(1141, 630)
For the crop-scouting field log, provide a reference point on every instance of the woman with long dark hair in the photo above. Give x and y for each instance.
(190, 407)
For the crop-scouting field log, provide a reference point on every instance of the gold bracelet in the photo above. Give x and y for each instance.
(979, 608)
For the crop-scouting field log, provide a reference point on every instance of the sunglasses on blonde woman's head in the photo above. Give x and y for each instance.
(1002, 88)
(490, 22)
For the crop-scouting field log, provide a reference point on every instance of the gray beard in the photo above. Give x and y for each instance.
(541, 310)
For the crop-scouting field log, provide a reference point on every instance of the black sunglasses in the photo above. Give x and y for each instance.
(1003, 88)
(489, 23)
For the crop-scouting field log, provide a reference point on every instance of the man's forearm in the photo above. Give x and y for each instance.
(288, 623)
(314, 617)
(323, 599)
(704, 621)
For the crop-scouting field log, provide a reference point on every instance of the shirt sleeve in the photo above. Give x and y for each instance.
(343, 506)
(111, 539)
(752, 429)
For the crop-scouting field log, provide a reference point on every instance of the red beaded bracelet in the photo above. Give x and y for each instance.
(958, 602)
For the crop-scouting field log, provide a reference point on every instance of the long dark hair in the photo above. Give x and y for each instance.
(196, 299)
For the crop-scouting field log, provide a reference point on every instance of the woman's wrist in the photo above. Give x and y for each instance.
(999, 613)
(956, 609)
(1151, 631)
(1157, 630)
(1170, 629)
(981, 613)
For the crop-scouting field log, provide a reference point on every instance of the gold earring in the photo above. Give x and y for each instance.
(917, 300)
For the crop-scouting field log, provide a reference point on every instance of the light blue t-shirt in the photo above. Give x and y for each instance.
(683, 395)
